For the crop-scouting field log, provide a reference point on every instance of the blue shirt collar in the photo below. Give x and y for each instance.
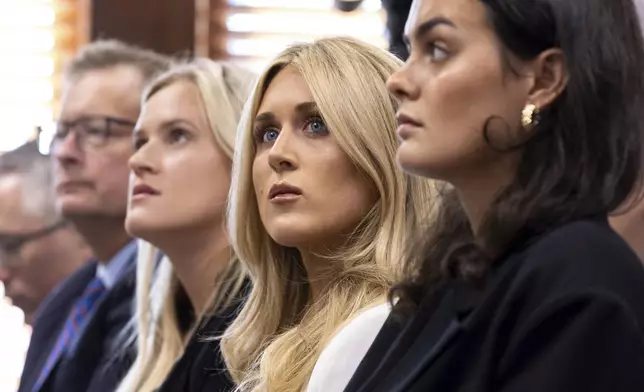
(110, 272)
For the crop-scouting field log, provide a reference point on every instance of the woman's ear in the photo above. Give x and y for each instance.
(550, 77)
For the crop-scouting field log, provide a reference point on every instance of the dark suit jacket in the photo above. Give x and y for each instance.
(92, 364)
(564, 314)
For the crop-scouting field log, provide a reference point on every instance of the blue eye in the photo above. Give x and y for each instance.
(317, 125)
(270, 136)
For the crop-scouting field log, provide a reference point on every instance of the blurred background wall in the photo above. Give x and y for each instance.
(37, 37)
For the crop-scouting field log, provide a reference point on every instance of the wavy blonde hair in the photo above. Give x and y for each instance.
(160, 343)
(276, 339)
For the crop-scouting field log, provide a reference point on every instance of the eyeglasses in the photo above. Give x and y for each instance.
(93, 131)
(11, 244)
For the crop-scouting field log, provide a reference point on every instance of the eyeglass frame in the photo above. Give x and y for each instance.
(13, 247)
(82, 135)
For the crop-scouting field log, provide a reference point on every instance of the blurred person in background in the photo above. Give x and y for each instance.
(73, 338)
(38, 249)
(397, 12)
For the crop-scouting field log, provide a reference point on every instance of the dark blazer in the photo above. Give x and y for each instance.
(202, 368)
(92, 364)
(564, 314)
(49, 320)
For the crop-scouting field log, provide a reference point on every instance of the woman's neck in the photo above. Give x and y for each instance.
(478, 190)
(198, 258)
(317, 272)
(475, 203)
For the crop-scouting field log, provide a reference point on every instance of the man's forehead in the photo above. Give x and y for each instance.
(107, 92)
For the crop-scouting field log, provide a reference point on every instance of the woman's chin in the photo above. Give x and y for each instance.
(143, 226)
(411, 162)
(291, 237)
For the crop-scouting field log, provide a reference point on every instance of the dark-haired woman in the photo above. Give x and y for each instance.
(532, 111)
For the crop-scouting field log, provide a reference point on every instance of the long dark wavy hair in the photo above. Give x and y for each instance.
(585, 154)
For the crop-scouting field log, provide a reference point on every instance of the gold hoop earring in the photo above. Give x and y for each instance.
(529, 116)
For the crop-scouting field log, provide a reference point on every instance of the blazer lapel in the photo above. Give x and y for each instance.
(93, 350)
(118, 353)
(110, 310)
(431, 342)
(53, 312)
(452, 318)
(442, 329)
(449, 336)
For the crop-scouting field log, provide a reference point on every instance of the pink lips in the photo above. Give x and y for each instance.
(282, 192)
(406, 125)
(141, 191)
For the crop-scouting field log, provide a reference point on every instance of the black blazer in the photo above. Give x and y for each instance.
(565, 314)
(93, 363)
(202, 368)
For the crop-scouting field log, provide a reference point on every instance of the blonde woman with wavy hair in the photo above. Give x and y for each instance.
(184, 144)
(318, 212)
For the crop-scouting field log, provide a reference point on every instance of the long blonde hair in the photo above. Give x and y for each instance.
(160, 343)
(275, 341)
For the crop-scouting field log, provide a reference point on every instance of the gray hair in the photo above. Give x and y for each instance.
(104, 54)
(35, 173)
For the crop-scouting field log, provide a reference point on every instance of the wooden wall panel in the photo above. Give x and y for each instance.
(166, 26)
(215, 42)
(71, 30)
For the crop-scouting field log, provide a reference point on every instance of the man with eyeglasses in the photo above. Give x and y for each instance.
(38, 249)
(75, 342)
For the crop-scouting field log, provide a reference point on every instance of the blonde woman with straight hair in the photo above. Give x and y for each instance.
(318, 212)
(184, 143)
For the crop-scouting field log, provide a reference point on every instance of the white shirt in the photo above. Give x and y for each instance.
(341, 357)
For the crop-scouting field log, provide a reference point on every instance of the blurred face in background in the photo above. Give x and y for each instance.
(309, 193)
(35, 254)
(92, 143)
(180, 177)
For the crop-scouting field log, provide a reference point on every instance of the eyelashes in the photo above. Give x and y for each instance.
(437, 52)
(262, 135)
(313, 126)
(260, 130)
(172, 136)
